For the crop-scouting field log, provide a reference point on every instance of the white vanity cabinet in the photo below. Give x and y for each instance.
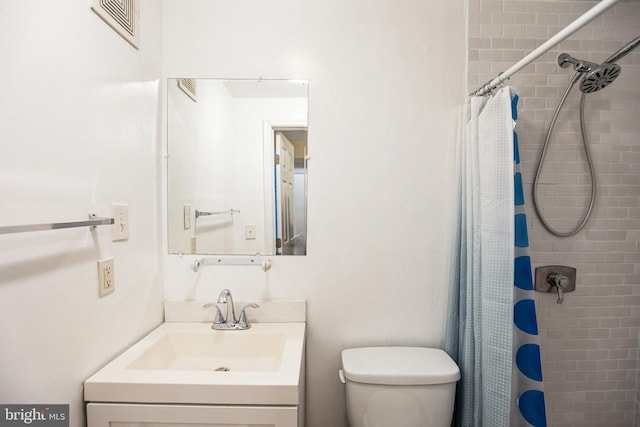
(149, 415)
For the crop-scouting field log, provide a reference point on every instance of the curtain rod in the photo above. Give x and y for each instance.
(563, 34)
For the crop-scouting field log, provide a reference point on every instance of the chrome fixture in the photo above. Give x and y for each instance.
(623, 51)
(593, 77)
(565, 60)
(556, 278)
(92, 223)
(229, 321)
(596, 76)
(225, 302)
(560, 281)
(207, 213)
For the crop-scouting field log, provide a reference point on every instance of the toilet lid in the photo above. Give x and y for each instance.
(399, 366)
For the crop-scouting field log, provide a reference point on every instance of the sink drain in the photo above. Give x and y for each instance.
(222, 369)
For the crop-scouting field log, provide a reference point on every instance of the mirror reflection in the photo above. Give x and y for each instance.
(237, 166)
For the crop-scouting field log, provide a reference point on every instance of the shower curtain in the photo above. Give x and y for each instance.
(489, 258)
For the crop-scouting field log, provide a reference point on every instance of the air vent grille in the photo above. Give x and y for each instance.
(188, 86)
(122, 15)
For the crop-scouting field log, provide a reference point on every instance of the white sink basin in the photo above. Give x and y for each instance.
(208, 350)
(191, 363)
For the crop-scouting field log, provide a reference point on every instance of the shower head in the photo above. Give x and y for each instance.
(596, 77)
(599, 77)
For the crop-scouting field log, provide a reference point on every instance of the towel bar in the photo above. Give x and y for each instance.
(92, 222)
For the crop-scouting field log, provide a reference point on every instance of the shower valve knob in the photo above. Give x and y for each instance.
(555, 278)
(560, 281)
(560, 295)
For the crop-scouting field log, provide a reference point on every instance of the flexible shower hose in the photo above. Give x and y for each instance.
(589, 162)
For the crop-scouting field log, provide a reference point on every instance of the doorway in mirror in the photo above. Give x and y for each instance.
(290, 190)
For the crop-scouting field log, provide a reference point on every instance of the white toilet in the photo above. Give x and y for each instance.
(399, 386)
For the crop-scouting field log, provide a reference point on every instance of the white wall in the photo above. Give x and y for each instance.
(386, 78)
(79, 131)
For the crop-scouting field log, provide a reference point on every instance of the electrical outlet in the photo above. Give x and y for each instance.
(187, 217)
(193, 244)
(120, 227)
(106, 277)
(250, 231)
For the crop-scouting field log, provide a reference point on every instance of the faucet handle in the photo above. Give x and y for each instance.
(560, 281)
(243, 316)
(560, 295)
(218, 319)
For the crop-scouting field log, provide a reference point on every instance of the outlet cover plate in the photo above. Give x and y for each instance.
(193, 244)
(187, 217)
(250, 232)
(106, 277)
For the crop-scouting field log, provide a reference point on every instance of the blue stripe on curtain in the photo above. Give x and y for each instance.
(528, 395)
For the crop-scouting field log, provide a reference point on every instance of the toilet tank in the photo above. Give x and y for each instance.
(399, 386)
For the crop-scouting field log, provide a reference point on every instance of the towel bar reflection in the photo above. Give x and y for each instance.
(205, 213)
(92, 222)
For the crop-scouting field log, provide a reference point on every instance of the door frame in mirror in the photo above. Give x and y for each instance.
(270, 128)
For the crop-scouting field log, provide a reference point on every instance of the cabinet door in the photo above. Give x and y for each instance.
(132, 415)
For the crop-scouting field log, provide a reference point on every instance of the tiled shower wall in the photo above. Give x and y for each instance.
(590, 342)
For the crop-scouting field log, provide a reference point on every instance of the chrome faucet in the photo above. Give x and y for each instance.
(229, 321)
(225, 301)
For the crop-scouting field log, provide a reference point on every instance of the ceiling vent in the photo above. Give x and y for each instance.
(188, 86)
(122, 15)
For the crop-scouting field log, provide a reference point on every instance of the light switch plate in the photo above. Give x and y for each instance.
(120, 227)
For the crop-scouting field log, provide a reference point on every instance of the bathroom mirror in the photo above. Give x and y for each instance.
(237, 166)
